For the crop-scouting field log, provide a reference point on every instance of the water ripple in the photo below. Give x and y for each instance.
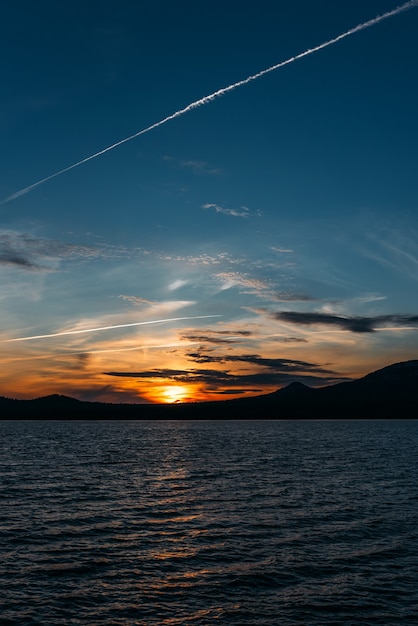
(241, 523)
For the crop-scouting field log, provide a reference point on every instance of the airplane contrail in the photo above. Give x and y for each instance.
(94, 330)
(220, 92)
(58, 355)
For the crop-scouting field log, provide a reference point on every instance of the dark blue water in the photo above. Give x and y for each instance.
(172, 523)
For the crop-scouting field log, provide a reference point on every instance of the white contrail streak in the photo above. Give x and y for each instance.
(216, 94)
(58, 355)
(94, 330)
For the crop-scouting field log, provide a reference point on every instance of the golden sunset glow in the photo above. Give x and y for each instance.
(174, 393)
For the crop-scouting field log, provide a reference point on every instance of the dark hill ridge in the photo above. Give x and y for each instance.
(56, 399)
(391, 392)
(402, 375)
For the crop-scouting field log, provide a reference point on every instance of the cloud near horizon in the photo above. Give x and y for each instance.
(278, 365)
(277, 372)
(215, 379)
(217, 336)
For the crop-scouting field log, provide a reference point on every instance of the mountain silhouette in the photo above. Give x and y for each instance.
(391, 392)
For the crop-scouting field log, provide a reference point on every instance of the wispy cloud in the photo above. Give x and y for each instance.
(217, 337)
(177, 284)
(197, 259)
(247, 284)
(197, 167)
(366, 298)
(9, 257)
(282, 250)
(137, 301)
(243, 211)
(25, 251)
(285, 339)
(154, 307)
(396, 249)
(294, 297)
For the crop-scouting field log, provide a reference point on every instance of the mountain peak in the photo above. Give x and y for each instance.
(295, 387)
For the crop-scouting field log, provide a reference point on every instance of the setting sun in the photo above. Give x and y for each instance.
(174, 393)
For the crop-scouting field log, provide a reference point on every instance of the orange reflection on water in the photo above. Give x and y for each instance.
(180, 553)
(213, 613)
(172, 520)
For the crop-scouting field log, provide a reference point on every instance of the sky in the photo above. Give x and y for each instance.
(264, 236)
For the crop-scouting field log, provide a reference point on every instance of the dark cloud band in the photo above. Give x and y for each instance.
(356, 324)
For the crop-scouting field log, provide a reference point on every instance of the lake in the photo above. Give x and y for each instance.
(209, 522)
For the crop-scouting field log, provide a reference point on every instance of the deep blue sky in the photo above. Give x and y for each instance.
(288, 207)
